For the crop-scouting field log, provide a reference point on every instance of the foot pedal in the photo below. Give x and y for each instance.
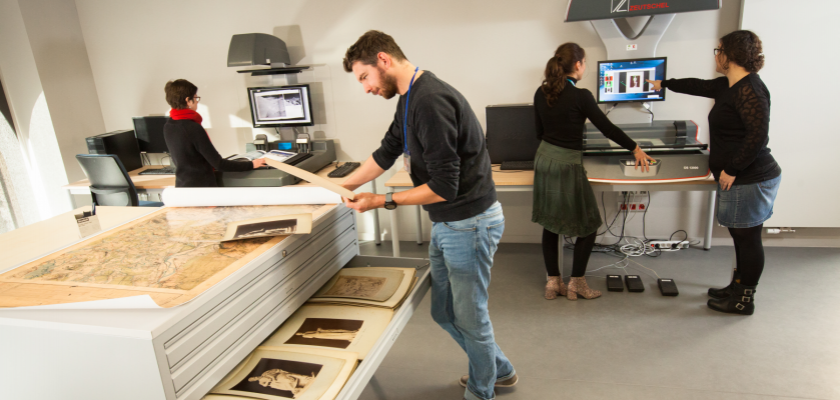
(634, 283)
(668, 287)
(614, 283)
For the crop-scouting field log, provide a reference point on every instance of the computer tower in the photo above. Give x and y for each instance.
(123, 144)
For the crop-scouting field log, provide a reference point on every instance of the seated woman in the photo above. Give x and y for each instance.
(188, 143)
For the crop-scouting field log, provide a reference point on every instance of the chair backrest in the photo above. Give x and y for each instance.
(110, 184)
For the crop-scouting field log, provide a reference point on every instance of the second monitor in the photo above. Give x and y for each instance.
(280, 106)
(625, 80)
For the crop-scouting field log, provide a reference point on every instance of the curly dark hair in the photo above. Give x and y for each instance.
(743, 48)
(558, 68)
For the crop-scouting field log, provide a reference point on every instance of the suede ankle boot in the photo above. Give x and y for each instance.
(554, 286)
(724, 292)
(740, 300)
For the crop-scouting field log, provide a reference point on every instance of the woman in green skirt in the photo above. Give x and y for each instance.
(564, 203)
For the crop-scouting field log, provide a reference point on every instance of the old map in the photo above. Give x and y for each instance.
(175, 250)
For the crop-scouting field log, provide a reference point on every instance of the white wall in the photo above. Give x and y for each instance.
(494, 52)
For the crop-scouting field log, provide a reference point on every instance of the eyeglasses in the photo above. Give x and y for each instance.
(718, 50)
(196, 99)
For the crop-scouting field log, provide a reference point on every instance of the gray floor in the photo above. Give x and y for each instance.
(638, 345)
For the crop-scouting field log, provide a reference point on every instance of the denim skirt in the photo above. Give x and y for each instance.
(746, 206)
(564, 203)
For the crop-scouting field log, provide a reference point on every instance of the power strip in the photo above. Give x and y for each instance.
(668, 245)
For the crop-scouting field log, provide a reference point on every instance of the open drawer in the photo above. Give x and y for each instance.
(360, 378)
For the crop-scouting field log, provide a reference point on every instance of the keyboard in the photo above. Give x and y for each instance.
(517, 165)
(297, 158)
(167, 170)
(344, 170)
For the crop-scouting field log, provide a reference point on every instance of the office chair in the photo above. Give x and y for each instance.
(110, 184)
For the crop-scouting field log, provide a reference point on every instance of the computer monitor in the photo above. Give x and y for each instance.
(281, 106)
(623, 81)
(149, 132)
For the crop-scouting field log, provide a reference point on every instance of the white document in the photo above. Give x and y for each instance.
(248, 196)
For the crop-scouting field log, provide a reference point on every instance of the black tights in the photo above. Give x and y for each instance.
(551, 252)
(749, 253)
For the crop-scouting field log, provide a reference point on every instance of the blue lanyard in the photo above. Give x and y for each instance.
(405, 115)
(572, 82)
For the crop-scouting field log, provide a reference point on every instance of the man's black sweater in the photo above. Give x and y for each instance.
(447, 149)
(563, 123)
(739, 125)
(194, 155)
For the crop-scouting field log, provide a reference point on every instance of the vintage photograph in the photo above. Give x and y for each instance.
(281, 378)
(327, 332)
(376, 284)
(357, 286)
(269, 226)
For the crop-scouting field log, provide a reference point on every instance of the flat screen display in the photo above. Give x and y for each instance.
(149, 132)
(281, 106)
(621, 81)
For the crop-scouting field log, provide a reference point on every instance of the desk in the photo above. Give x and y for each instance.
(154, 184)
(523, 181)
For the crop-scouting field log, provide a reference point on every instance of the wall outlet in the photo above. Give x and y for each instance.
(631, 206)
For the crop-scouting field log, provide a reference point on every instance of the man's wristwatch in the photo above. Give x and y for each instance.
(390, 204)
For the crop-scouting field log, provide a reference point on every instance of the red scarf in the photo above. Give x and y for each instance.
(185, 113)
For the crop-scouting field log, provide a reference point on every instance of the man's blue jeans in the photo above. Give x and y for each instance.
(461, 255)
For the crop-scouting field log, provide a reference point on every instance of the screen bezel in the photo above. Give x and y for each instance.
(598, 86)
(288, 123)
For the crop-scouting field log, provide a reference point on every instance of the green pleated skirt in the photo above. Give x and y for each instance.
(564, 202)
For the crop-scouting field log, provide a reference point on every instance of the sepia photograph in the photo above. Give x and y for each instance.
(376, 284)
(281, 378)
(282, 372)
(327, 332)
(269, 226)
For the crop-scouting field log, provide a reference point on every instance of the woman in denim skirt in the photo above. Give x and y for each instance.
(747, 174)
(564, 203)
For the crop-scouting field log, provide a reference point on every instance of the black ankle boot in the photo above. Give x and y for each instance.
(740, 300)
(724, 292)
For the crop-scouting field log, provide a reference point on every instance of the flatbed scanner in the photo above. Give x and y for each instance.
(323, 153)
(673, 144)
(679, 155)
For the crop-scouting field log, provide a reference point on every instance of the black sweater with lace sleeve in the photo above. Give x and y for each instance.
(738, 126)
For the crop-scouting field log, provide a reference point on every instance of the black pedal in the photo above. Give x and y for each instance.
(634, 283)
(668, 287)
(614, 283)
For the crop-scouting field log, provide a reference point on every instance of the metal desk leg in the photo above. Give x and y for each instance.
(395, 236)
(377, 235)
(710, 222)
(419, 220)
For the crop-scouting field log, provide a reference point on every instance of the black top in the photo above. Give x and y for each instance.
(563, 124)
(447, 149)
(194, 155)
(738, 126)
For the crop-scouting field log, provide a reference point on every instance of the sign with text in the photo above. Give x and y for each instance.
(587, 10)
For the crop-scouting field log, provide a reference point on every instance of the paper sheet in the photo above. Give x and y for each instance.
(308, 176)
(133, 302)
(248, 196)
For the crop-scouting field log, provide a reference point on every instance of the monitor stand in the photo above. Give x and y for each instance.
(623, 42)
